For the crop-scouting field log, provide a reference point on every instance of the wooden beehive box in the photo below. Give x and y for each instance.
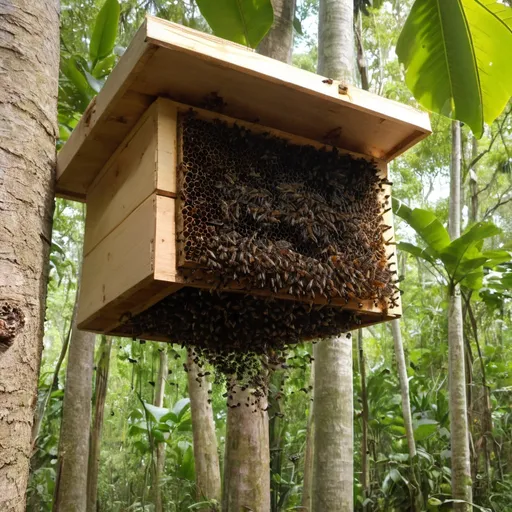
(197, 150)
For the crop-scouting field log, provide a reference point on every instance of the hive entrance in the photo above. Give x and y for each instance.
(261, 214)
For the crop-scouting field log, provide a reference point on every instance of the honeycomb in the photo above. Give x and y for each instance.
(261, 212)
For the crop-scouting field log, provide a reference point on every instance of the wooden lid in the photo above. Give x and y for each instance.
(169, 60)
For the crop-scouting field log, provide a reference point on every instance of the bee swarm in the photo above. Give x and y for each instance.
(260, 214)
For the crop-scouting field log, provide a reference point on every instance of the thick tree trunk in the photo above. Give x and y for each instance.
(102, 370)
(29, 53)
(206, 456)
(71, 486)
(333, 436)
(247, 460)
(160, 447)
(278, 42)
(333, 439)
(307, 485)
(461, 470)
(365, 469)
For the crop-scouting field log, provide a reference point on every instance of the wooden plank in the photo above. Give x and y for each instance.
(133, 173)
(122, 265)
(169, 60)
(167, 146)
(165, 239)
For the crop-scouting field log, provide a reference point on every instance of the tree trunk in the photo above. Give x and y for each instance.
(365, 470)
(102, 370)
(29, 53)
(278, 42)
(333, 438)
(336, 39)
(160, 447)
(308, 456)
(71, 485)
(247, 460)
(461, 471)
(416, 498)
(39, 415)
(206, 457)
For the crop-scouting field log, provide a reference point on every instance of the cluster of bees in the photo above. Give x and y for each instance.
(241, 336)
(266, 214)
(261, 213)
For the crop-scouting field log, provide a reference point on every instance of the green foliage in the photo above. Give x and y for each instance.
(462, 259)
(457, 58)
(105, 32)
(242, 21)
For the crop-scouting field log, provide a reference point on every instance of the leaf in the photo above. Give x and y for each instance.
(242, 21)
(95, 84)
(105, 31)
(457, 57)
(415, 251)
(157, 413)
(297, 25)
(426, 224)
(463, 258)
(424, 429)
(181, 407)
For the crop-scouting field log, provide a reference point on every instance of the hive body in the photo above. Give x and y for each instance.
(193, 199)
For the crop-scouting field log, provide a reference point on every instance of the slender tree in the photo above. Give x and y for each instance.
(71, 485)
(247, 459)
(29, 53)
(206, 456)
(333, 437)
(308, 455)
(365, 468)
(406, 409)
(461, 469)
(159, 462)
(102, 371)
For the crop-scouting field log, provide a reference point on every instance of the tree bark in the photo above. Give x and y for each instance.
(333, 436)
(365, 469)
(336, 39)
(206, 456)
(308, 456)
(160, 447)
(102, 370)
(29, 56)
(278, 42)
(247, 460)
(71, 485)
(416, 495)
(461, 470)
